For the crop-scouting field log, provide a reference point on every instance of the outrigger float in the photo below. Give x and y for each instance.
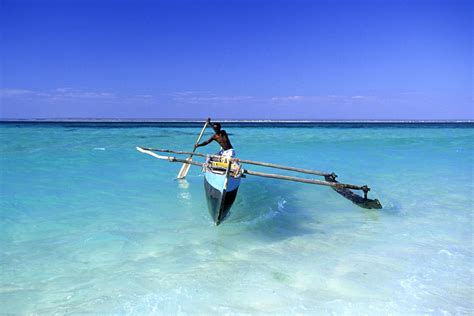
(222, 177)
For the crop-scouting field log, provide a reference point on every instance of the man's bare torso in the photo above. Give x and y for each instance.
(222, 139)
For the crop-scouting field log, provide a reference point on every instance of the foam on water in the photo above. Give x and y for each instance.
(90, 225)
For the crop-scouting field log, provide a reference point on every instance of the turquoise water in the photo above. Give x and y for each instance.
(90, 225)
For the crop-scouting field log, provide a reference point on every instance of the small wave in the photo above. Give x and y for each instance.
(445, 252)
(185, 195)
(183, 184)
(270, 214)
(450, 254)
(281, 205)
(99, 148)
(394, 207)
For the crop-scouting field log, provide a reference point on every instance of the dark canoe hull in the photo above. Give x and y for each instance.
(219, 201)
(354, 198)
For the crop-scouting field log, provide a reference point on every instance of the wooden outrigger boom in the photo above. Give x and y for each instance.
(169, 158)
(343, 189)
(250, 162)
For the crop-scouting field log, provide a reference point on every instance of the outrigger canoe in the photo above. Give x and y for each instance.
(222, 177)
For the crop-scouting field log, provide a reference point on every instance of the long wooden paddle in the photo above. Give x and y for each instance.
(185, 168)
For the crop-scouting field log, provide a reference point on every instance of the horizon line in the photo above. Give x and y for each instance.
(176, 120)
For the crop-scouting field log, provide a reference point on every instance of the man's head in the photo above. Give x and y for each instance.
(216, 126)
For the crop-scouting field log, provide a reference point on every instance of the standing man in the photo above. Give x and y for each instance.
(221, 137)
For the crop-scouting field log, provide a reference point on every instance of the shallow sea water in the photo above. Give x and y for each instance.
(90, 225)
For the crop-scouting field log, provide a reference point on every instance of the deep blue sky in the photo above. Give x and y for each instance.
(237, 59)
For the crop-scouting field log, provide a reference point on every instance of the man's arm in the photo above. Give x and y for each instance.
(204, 143)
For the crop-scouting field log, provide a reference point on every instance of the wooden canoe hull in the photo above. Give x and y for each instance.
(219, 201)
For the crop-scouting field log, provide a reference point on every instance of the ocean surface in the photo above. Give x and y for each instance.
(91, 225)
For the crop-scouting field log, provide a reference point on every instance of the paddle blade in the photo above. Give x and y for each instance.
(184, 170)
